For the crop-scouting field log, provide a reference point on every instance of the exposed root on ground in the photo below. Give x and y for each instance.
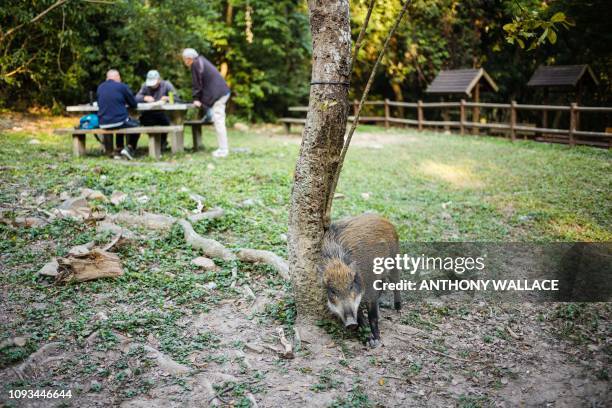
(209, 247)
(147, 220)
(207, 215)
(265, 257)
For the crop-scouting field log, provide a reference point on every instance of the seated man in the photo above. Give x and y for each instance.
(113, 96)
(155, 89)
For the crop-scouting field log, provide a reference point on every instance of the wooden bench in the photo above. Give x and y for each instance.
(154, 132)
(298, 121)
(196, 131)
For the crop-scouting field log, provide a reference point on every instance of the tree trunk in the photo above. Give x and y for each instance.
(322, 142)
(399, 96)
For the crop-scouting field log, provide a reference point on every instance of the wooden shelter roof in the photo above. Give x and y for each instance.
(460, 81)
(561, 75)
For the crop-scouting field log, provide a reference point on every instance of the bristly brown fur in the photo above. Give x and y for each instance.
(337, 274)
(347, 253)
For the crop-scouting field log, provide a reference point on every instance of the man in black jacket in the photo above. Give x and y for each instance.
(209, 92)
(112, 97)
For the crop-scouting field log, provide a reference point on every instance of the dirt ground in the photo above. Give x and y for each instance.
(444, 352)
(481, 363)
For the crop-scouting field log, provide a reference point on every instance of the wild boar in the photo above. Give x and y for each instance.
(348, 251)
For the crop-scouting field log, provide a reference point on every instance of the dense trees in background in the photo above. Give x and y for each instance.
(263, 46)
(449, 34)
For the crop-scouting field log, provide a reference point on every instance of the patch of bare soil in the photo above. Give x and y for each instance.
(452, 360)
(443, 354)
(33, 122)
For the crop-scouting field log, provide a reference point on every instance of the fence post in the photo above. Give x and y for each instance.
(572, 128)
(513, 120)
(476, 109)
(446, 118)
(387, 113)
(462, 117)
(420, 114)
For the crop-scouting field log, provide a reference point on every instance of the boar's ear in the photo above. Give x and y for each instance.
(321, 274)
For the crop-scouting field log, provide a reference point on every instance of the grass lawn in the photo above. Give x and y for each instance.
(433, 187)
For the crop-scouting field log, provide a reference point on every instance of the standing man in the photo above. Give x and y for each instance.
(155, 89)
(209, 92)
(113, 96)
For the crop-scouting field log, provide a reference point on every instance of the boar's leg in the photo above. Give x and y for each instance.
(373, 317)
(361, 322)
(397, 297)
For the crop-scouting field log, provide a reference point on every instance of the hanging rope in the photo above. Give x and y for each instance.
(356, 50)
(347, 141)
(361, 34)
(330, 83)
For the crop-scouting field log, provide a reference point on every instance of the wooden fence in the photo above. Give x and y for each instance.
(572, 135)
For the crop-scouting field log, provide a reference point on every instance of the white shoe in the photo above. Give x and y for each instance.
(220, 153)
(127, 153)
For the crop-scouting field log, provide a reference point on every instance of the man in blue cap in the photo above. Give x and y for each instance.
(153, 90)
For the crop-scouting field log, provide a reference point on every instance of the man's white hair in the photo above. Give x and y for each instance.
(190, 53)
(112, 73)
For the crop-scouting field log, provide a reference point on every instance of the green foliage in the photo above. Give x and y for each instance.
(263, 47)
(326, 382)
(283, 311)
(474, 401)
(450, 34)
(62, 56)
(531, 26)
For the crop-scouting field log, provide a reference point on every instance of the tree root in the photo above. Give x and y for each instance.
(164, 362)
(209, 247)
(37, 358)
(207, 215)
(265, 257)
(147, 220)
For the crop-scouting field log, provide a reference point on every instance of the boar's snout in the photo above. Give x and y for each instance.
(350, 322)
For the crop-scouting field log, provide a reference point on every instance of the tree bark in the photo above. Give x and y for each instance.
(322, 142)
(399, 96)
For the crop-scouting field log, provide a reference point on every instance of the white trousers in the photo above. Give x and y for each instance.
(218, 118)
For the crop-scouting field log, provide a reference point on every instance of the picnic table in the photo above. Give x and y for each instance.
(176, 113)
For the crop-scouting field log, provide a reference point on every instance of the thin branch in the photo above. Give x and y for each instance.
(347, 142)
(38, 17)
(361, 34)
(22, 68)
(519, 5)
(59, 52)
(100, 2)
